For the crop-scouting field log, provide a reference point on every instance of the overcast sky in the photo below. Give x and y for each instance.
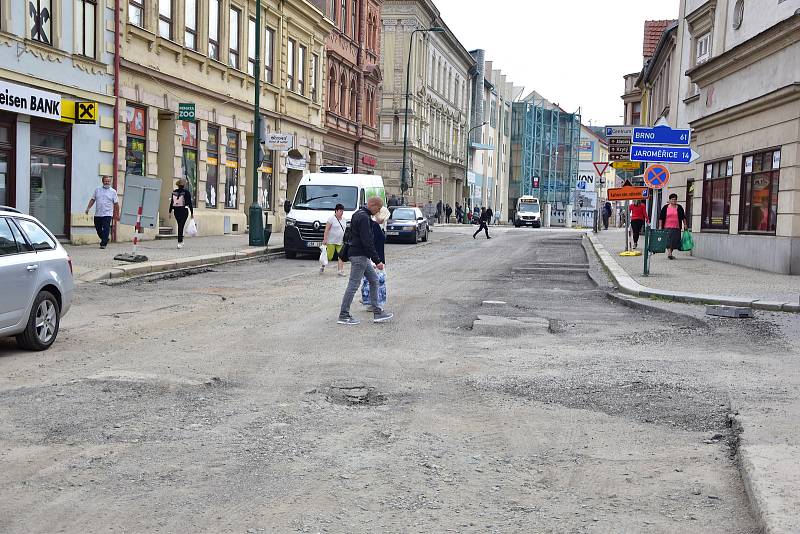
(572, 52)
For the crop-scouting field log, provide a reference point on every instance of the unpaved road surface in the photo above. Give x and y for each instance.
(231, 401)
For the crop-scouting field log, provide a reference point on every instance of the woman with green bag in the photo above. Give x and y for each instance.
(673, 220)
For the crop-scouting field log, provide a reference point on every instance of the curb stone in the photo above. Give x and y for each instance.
(628, 285)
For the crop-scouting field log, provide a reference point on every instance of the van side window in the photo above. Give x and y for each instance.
(363, 199)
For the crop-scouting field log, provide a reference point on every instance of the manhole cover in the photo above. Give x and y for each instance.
(353, 393)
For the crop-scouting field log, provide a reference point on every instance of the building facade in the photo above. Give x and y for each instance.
(52, 55)
(490, 145)
(591, 188)
(738, 88)
(354, 82)
(202, 53)
(440, 69)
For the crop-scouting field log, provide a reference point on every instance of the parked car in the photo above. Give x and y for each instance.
(407, 224)
(35, 280)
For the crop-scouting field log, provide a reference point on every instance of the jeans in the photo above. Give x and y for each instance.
(181, 215)
(482, 227)
(360, 266)
(103, 227)
(636, 228)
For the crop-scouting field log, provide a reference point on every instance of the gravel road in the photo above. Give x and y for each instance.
(231, 401)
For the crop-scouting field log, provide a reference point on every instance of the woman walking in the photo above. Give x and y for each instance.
(673, 220)
(333, 239)
(638, 218)
(181, 204)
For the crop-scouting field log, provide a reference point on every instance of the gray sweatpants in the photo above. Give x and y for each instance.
(360, 266)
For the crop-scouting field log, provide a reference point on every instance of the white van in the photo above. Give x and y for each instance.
(528, 213)
(316, 197)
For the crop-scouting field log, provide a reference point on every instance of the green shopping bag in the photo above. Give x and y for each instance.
(687, 243)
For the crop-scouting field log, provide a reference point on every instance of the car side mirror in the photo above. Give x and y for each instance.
(287, 206)
(420, 218)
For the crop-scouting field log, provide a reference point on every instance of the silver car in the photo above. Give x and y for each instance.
(35, 281)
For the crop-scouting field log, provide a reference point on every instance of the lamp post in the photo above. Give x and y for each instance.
(436, 29)
(256, 237)
(466, 162)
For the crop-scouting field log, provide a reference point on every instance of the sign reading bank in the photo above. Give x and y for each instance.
(29, 101)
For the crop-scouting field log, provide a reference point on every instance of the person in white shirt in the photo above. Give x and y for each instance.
(107, 208)
(334, 237)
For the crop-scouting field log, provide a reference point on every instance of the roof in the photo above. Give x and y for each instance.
(652, 33)
(662, 41)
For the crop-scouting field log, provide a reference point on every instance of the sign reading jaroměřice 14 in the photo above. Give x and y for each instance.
(29, 101)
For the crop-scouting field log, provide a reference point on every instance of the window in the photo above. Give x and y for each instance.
(8, 239)
(165, 18)
(232, 169)
(290, 72)
(343, 16)
(37, 236)
(41, 20)
(7, 154)
(212, 161)
(342, 95)
(136, 12)
(332, 90)
(84, 18)
(190, 19)
(689, 202)
(301, 70)
(135, 127)
(251, 47)
(760, 177)
(189, 160)
(354, 19)
(314, 77)
(233, 41)
(702, 48)
(717, 195)
(636, 113)
(269, 55)
(213, 29)
(353, 94)
(493, 114)
(265, 186)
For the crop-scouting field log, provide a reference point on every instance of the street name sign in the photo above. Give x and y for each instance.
(656, 176)
(627, 192)
(186, 112)
(661, 135)
(663, 154)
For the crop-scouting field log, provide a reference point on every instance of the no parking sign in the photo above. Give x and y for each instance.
(656, 176)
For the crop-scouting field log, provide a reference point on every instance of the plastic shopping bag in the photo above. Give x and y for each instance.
(323, 255)
(191, 228)
(687, 243)
(381, 290)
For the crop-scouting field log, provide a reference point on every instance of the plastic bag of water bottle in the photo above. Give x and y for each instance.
(381, 290)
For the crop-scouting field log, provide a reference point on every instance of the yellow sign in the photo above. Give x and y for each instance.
(626, 165)
(79, 112)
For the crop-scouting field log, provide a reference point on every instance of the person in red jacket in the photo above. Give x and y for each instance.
(638, 218)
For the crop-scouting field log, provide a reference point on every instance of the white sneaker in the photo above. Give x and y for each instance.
(180, 245)
(341, 273)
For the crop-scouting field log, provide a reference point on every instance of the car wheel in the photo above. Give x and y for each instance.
(290, 254)
(425, 236)
(43, 323)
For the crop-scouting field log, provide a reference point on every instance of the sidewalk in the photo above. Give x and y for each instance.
(691, 279)
(91, 263)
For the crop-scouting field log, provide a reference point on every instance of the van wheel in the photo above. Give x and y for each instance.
(290, 254)
(43, 323)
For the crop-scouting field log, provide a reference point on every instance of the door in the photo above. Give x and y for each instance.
(50, 167)
(7, 148)
(18, 274)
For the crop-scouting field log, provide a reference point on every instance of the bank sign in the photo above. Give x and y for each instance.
(29, 101)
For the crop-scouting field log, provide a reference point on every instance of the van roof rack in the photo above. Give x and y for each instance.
(336, 169)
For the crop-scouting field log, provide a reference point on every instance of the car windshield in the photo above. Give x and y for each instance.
(404, 214)
(529, 207)
(325, 197)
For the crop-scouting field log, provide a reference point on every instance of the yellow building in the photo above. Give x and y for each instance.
(202, 53)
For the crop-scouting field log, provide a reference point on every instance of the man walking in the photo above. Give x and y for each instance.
(489, 215)
(362, 255)
(459, 213)
(439, 209)
(606, 214)
(483, 219)
(448, 212)
(107, 208)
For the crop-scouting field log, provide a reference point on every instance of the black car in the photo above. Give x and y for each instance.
(406, 224)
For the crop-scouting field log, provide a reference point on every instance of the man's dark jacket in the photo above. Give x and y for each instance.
(362, 242)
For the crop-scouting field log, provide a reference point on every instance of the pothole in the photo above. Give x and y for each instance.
(353, 393)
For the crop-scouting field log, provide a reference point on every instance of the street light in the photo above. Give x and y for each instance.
(256, 237)
(435, 29)
(466, 162)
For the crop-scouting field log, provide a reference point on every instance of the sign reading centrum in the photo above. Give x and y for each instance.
(29, 101)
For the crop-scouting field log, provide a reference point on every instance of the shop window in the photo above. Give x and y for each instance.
(233, 41)
(49, 176)
(212, 164)
(314, 77)
(40, 13)
(136, 129)
(760, 179)
(689, 202)
(269, 55)
(189, 160)
(136, 12)
(251, 47)
(265, 187)
(190, 23)
(717, 195)
(301, 70)
(213, 29)
(232, 169)
(290, 72)
(165, 18)
(6, 164)
(84, 18)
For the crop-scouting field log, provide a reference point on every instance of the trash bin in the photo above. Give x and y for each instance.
(657, 241)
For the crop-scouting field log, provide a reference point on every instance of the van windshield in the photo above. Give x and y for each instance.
(325, 197)
(529, 207)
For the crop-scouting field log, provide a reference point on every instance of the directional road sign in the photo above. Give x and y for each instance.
(656, 176)
(661, 135)
(619, 131)
(663, 154)
(627, 192)
(619, 142)
(626, 165)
